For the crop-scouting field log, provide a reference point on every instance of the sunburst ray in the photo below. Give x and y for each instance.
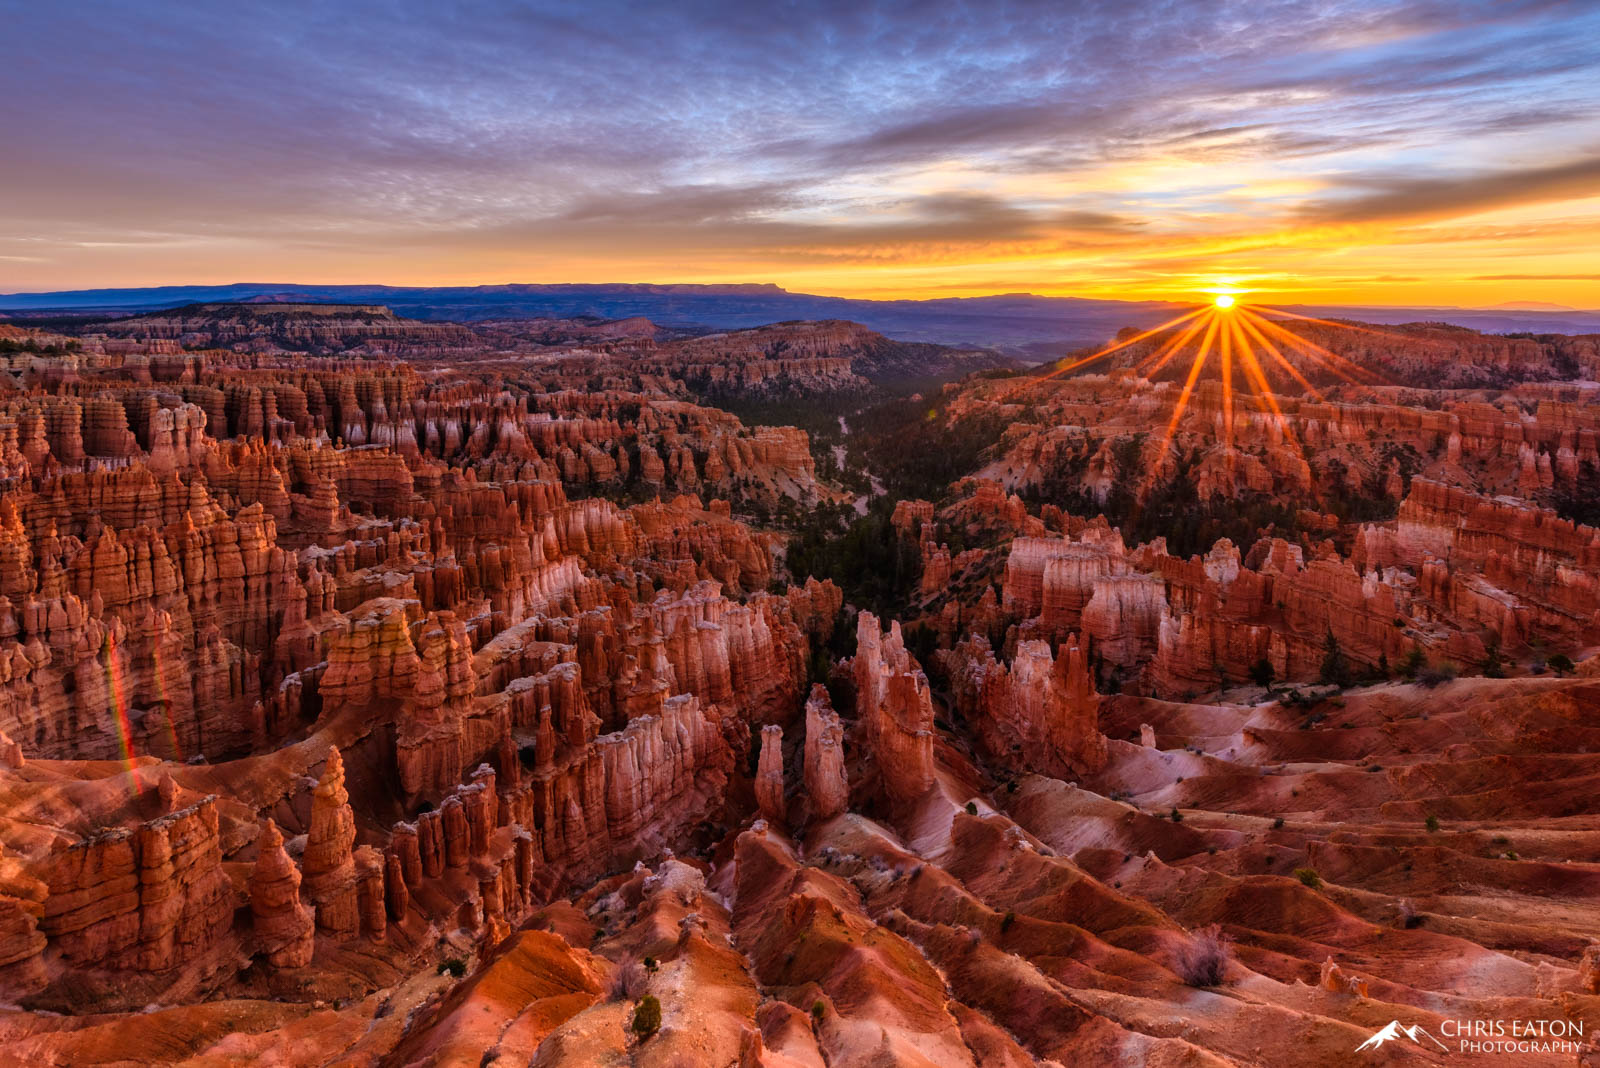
(1263, 388)
(1151, 365)
(1338, 365)
(1103, 353)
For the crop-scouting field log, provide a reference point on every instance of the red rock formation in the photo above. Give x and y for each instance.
(328, 863)
(827, 788)
(150, 898)
(1123, 617)
(221, 569)
(662, 769)
(10, 753)
(895, 709)
(284, 928)
(298, 327)
(22, 944)
(786, 356)
(1186, 627)
(769, 775)
(1041, 714)
(373, 902)
(910, 517)
(430, 746)
(1055, 579)
(1589, 969)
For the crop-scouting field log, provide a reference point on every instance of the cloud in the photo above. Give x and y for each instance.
(1407, 199)
(680, 205)
(1536, 278)
(1095, 138)
(773, 220)
(963, 129)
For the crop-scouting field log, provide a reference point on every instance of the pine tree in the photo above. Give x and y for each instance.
(1335, 668)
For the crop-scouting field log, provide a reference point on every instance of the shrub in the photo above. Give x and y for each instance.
(1413, 663)
(647, 1017)
(1261, 673)
(1561, 664)
(1436, 675)
(1176, 816)
(455, 966)
(972, 808)
(1277, 824)
(1493, 664)
(1007, 920)
(1204, 961)
(1432, 823)
(1309, 877)
(818, 1009)
(651, 964)
(628, 982)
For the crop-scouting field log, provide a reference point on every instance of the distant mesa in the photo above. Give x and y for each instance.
(277, 298)
(1530, 305)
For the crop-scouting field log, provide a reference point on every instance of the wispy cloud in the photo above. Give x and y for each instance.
(1396, 198)
(1536, 278)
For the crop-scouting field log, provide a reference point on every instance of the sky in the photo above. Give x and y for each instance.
(1318, 152)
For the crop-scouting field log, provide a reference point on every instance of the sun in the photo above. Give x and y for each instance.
(1223, 300)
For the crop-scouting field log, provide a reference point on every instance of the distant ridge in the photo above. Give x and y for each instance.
(238, 292)
(1530, 305)
(1021, 324)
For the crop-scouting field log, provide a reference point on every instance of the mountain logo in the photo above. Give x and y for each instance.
(1392, 1031)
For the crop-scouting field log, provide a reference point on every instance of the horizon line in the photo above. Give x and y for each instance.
(1499, 306)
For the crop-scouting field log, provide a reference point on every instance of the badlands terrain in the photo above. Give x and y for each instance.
(585, 692)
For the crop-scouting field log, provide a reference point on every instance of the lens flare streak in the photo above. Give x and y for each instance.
(116, 691)
(1160, 358)
(1195, 367)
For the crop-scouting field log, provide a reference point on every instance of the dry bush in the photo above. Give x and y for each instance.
(1204, 960)
(628, 982)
